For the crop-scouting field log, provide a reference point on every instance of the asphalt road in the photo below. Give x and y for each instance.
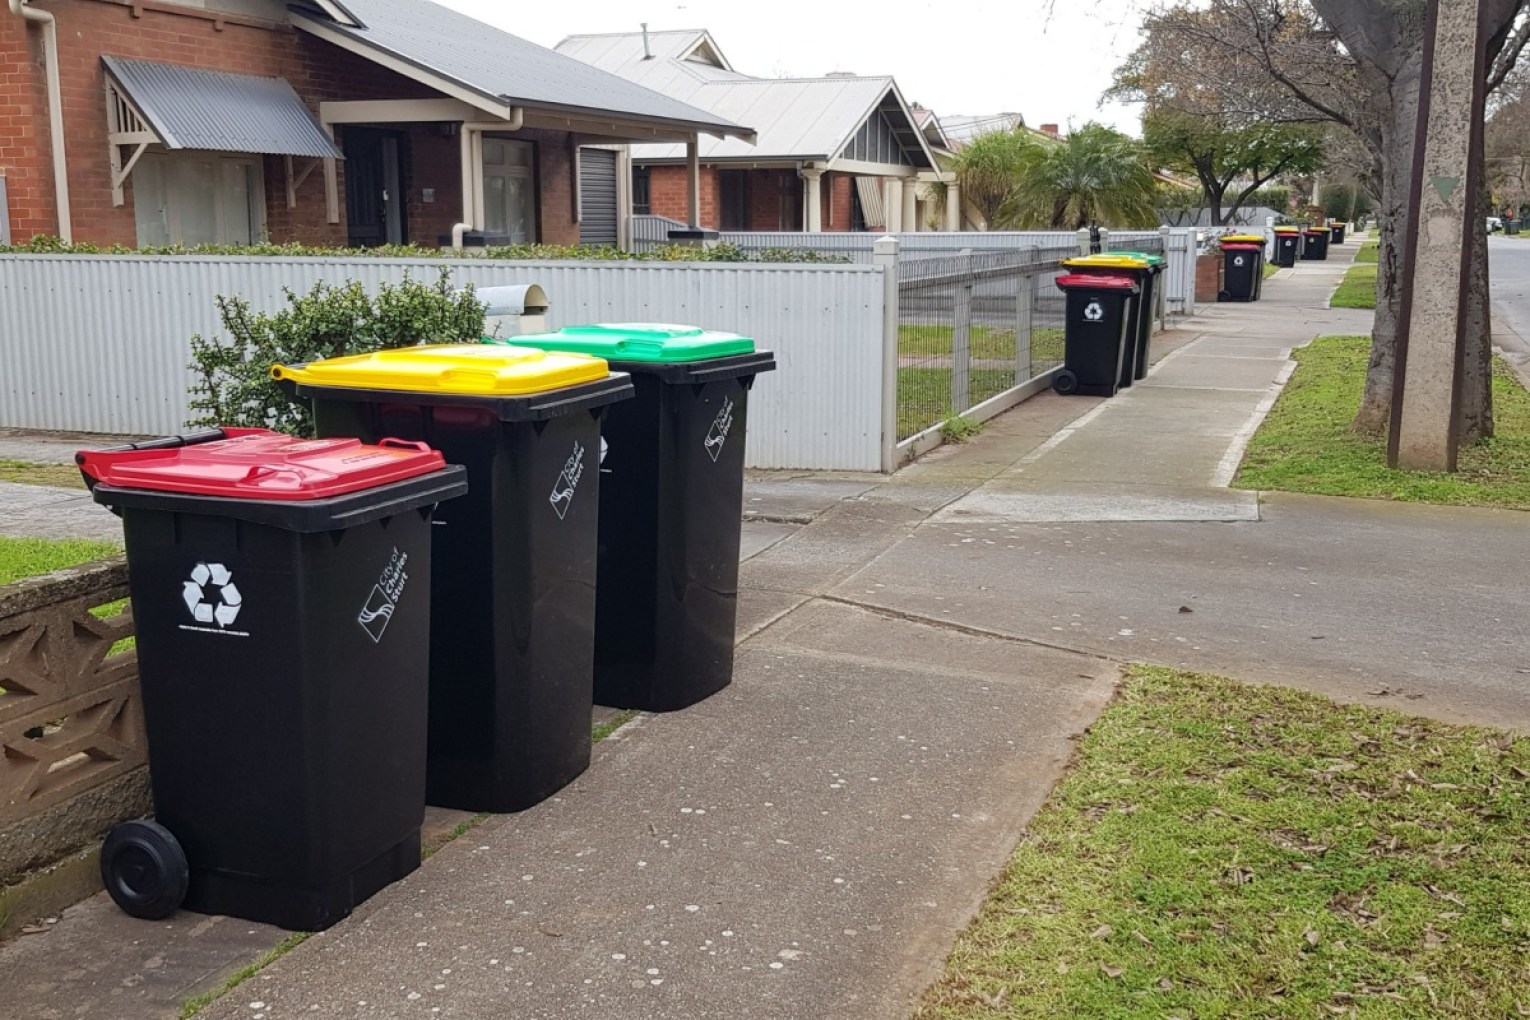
(1509, 270)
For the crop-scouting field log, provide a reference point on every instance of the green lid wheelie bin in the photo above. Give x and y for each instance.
(282, 616)
(671, 505)
(1152, 296)
(513, 586)
(1139, 326)
(1095, 332)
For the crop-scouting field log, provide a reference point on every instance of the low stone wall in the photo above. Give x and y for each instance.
(73, 758)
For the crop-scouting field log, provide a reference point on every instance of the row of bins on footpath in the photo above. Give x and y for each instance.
(1296, 244)
(421, 605)
(1109, 309)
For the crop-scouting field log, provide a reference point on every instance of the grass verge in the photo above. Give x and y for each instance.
(1358, 290)
(1370, 252)
(28, 557)
(1270, 269)
(1306, 444)
(64, 476)
(1222, 850)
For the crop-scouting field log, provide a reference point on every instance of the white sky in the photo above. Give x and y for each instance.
(1049, 64)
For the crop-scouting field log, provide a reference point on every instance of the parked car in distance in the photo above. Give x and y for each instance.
(1494, 224)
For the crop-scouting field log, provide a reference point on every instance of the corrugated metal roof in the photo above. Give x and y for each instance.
(189, 108)
(795, 118)
(503, 67)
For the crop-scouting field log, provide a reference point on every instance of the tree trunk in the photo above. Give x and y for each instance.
(1474, 408)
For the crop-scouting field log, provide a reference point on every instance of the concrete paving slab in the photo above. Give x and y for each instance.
(757, 536)
(1106, 457)
(804, 844)
(1346, 597)
(42, 511)
(795, 498)
(1205, 369)
(1043, 505)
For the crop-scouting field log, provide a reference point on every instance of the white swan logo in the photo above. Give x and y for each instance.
(378, 610)
(211, 596)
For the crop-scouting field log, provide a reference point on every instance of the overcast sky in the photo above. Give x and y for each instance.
(1047, 63)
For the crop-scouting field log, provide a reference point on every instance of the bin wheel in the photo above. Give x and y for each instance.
(1065, 382)
(144, 869)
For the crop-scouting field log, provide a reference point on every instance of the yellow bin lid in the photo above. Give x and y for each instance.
(1109, 260)
(468, 369)
(1243, 238)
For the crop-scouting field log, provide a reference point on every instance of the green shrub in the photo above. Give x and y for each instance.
(233, 384)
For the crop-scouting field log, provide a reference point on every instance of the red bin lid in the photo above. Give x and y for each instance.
(261, 464)
(1242, 246)
(1096, 282)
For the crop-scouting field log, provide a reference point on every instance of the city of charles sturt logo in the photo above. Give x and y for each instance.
(378, 611)
(568, 480)
(717, 435)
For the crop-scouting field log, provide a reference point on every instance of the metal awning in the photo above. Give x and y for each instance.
(190, 108)
(870, 190)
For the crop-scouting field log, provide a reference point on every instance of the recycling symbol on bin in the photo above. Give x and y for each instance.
(1237, 260)
(211, 595)
(1093, 312)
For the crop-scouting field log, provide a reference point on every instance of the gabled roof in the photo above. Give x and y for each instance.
(494, 66)
(192, 108)
(795, 118)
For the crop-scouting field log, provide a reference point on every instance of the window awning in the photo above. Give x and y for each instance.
(189, 108)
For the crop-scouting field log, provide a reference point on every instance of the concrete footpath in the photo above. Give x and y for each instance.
(917, 654)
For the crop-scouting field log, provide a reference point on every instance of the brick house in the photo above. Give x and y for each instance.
(361, 122)
(835, 153)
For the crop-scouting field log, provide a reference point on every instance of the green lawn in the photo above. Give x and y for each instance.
(63, 475)
(28, 557)
(1370, 252)
(1224, 850)
(1358, 289)
(984, 342)
(1270, 269)
(1306, 444)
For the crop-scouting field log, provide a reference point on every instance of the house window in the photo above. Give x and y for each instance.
(642, 191)
(198, 198)
(509, 190)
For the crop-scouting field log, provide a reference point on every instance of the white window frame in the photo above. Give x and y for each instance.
(255, 166)
(526, 172)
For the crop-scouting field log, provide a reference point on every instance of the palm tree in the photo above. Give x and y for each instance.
(1095, 176)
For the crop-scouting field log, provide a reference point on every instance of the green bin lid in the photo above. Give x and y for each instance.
(653, 342)
(1152, 258)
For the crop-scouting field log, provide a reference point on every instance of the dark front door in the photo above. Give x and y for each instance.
(374, 192)
(733, 189)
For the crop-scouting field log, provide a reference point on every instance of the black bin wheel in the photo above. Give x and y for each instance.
(144, 869)
(1065, 382)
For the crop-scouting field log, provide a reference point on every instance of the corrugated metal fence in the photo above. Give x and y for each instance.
(102, 343)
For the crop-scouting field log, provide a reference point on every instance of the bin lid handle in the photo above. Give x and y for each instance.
(404, 444)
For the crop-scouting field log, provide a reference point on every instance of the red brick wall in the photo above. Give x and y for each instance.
(836, 214)
(315, 69)
(670, 195)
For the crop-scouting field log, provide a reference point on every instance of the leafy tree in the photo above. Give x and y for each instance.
(1096, 176)
(988, 170)
(1232, 161)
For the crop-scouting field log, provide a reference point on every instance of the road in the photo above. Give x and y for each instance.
(1509, 268)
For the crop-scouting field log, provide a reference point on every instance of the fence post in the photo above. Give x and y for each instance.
(1104, 239)
(961, 350)
(1024, 300)
(1161, 295)
(884, 253)
(1083, 240)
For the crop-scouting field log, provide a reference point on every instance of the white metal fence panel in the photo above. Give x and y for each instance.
(102, 343)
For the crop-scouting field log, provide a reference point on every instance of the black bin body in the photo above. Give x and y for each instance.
(1139, 318)
(1339, 230)
(671, 502)
(1316, 247)
(1095, 336)
(1242, 272)
(1288, 249)
(288, 745)
(512, 584)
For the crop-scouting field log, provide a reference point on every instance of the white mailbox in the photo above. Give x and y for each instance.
(514, 310)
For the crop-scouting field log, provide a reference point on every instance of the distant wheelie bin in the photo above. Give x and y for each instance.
(1139, 315)
(671, 505)
(1288, 246)
(1242, 267)
(1147, 307)
(282, 620)
(1316, 247)
(1338, 228)
(513, 589)
(1097, 316)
